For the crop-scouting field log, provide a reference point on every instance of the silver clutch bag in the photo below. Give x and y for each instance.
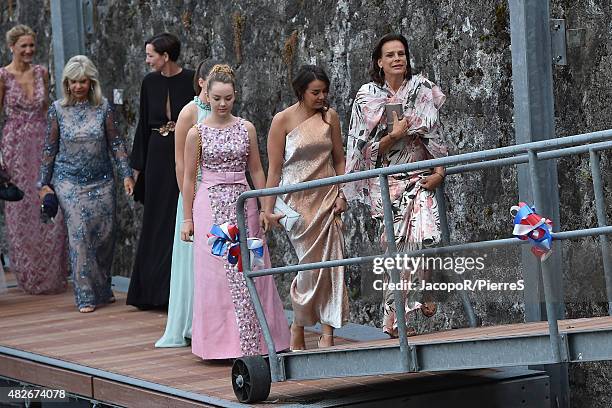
(291, 216)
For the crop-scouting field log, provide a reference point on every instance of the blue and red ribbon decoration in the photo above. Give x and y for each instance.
(528, 225)
(225, 238)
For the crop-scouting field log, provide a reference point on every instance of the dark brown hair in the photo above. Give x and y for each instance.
(304, 77)
(166, 42)
(376, 74)
(202, 72)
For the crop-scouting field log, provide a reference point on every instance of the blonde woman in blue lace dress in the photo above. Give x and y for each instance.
(81, 144)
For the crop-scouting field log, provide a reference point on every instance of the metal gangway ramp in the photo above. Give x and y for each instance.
(539, 343)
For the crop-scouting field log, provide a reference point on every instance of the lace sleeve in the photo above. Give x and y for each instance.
(50, 148)
(116, 143)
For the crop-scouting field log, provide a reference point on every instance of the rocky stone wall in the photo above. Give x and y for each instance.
(464, 46)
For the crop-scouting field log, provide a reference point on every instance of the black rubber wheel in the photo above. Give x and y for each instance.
(251, 379)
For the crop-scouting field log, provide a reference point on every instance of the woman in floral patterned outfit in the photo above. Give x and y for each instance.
(414, 137)
(37, 251)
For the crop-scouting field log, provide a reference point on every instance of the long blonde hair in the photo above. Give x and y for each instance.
(13, 35)
(76, 68)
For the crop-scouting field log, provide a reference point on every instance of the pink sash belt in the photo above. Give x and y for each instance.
(213, 178)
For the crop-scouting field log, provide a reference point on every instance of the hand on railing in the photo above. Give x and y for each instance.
(432, 181)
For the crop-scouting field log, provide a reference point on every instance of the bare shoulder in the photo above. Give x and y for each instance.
(248, 125)
(332, 116)
(280, 119)
(193, 132)
(188, 111)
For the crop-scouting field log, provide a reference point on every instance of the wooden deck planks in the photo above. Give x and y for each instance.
(119, 339)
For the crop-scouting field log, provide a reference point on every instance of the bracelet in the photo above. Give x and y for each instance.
(187, 220)
(441, 175)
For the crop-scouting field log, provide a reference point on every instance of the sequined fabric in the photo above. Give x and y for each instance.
(228, 150)
(224, 320)
(318, 295)
(37, 251)
(77, 160)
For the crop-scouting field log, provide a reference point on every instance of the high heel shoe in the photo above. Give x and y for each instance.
(429, 309)
(394, 334)
(321, 338)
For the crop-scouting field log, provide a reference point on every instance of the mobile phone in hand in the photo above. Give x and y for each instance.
(389, 109)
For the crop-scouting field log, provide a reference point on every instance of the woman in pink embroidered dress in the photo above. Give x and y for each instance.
(37, 251)
(414, 137)
(224, 321)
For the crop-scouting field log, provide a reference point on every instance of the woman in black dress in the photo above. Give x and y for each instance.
(163, 94)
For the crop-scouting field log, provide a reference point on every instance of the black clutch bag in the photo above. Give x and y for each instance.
(49, 207)
(8, 190)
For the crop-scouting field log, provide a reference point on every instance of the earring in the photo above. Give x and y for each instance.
(381, 73)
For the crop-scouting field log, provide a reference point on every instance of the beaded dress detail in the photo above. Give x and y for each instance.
(81, 145)
(38, 252)
(224, 320)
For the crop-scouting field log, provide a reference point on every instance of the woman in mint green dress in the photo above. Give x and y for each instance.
(180, 306)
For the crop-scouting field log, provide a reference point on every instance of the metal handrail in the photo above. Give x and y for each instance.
(531, 153)
(548, 144)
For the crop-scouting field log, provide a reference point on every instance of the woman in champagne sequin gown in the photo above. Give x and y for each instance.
(305, 144)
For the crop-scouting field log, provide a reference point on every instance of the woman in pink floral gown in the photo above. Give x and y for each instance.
(414, 137)
(224, 321)
(37, 251)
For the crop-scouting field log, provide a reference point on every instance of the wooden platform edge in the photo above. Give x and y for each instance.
(46, 376)
(82, 380)
(528, 350)
(125, 395)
